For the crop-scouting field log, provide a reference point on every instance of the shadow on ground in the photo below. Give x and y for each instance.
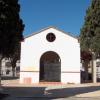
(38, 92)
(3, 95)
(9, 78)
(69, 92)
(23, 92)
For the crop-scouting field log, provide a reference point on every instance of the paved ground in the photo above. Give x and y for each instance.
(54, 91)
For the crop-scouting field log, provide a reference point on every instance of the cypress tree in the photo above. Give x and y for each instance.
(11, 28)
(90, 31)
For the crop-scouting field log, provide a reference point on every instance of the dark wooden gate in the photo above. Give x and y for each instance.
(52, 72)
(50, 67)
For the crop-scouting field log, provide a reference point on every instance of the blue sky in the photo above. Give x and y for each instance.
(66, 15)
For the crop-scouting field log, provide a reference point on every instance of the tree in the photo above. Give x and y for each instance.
(11, 28)
(85, 58)
(90, 32)
(14, 58)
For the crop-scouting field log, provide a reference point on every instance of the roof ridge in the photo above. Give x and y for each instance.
(34, 33)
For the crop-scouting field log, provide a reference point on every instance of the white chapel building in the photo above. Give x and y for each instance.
(50, 55)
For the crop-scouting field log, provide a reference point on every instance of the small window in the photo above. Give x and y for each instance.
(7, 71)
(50, 37)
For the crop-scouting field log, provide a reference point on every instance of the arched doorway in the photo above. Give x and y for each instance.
(50, 67)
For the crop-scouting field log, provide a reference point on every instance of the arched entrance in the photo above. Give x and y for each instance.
(50, 67)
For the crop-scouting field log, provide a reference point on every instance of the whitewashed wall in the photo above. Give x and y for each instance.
(65, 46)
